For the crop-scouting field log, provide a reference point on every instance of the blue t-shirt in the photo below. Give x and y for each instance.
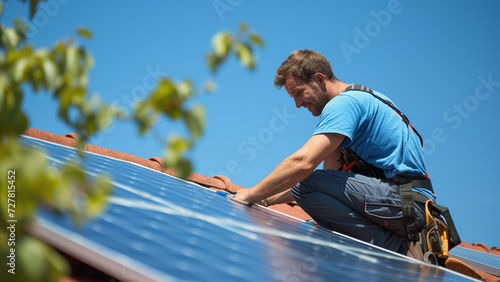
(375, 132)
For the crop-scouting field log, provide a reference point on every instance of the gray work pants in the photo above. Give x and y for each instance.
(358, 206)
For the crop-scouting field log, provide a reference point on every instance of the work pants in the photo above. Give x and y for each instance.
(362, 207)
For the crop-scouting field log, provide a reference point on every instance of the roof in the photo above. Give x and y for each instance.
(159, 227)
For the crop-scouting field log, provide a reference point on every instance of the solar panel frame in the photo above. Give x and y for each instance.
(306, 251)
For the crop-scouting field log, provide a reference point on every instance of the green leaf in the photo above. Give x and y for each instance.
(175, 149)
(185, 89)
(50, 74)
(90, 126)
(167, 99)
(183, 168)
(31, 256)
(243, 27)
(1, 8)
(144, 114)
(105, 116)
(97, 196)
(180, 144)
(212, 61)
(19, 69)
(222, 43)
(20, 25)
(84, 32)
(85, 58)
(118, 112)
(33, 4)
(71, 61)
(69, 96)
(244, 53)
(255, 38)
(9, 38)
(195, 120)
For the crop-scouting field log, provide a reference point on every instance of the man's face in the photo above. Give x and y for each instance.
(307, 95)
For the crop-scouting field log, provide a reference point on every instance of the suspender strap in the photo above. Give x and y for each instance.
(387, 102)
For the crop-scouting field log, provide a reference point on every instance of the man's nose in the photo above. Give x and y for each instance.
(298, 103)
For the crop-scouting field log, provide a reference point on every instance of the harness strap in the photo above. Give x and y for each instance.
(408, 211)
(387, 102)
(375, 171)
(416, 181)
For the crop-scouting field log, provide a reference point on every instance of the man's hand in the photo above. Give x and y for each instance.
(245, 195)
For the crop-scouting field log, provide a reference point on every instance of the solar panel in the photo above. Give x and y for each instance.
(480, 260)
(158, 227)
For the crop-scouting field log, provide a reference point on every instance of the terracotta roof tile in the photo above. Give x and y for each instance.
(481, 247)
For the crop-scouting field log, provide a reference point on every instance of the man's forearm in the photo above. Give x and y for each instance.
(281, 198)
(293, 169)
(288, 173)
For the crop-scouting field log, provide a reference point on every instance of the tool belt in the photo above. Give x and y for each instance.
(435, 236)
(439, 234)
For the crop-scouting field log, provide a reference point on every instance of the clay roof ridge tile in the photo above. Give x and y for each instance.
(228, 185)
(160, 162)
(71, 135)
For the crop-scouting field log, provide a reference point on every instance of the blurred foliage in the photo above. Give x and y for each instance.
(169, 98)
(62, 72)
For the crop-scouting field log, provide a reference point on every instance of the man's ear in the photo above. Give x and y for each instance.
(320, 79)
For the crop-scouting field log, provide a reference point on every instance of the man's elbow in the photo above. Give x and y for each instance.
(304, 166)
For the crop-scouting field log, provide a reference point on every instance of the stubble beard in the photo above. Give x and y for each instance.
(323, 99)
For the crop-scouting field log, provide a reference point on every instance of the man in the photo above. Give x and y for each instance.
(363, 207)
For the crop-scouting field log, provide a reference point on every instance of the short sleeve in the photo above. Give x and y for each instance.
(341, 115)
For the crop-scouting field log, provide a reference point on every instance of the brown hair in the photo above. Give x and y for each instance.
(303, 64)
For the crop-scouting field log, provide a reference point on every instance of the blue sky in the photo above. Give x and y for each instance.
(438, 61)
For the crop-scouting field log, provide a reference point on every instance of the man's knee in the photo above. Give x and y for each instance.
(308, 184)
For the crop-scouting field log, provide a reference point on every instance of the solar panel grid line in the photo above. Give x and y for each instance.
(486, 262)
(203, 240)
